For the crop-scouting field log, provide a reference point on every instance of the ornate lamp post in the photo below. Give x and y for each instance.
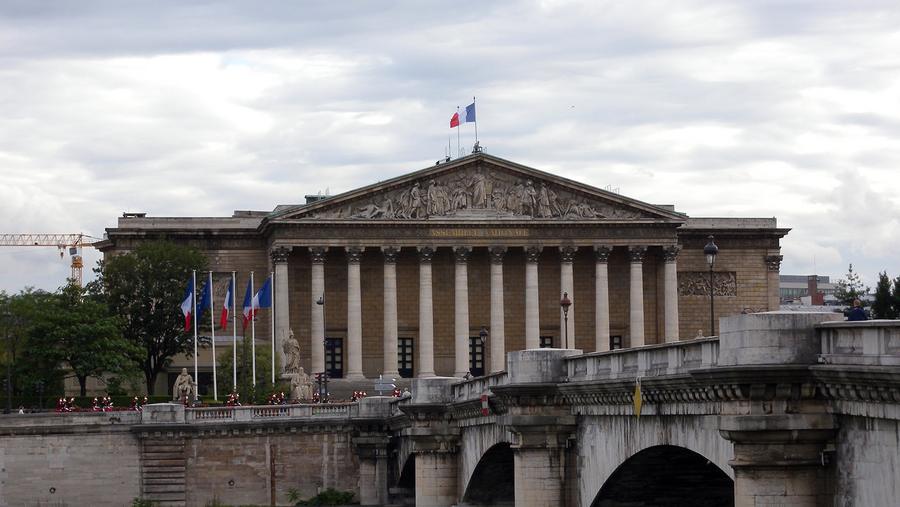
(323, 396)
(483, 334)
(565, 303)
(6, 317)
(710, 250)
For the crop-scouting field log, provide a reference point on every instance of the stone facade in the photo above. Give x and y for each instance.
(631, 269)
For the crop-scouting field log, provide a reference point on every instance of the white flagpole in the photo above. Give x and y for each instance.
(194, 317)
(233, 334)
(458, 128)
(272, 313)
(212, 322)
(252, 329)
(476, 119)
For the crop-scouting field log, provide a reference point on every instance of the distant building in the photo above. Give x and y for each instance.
(794, 288)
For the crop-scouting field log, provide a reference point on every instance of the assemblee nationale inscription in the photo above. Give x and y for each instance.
(496, 233)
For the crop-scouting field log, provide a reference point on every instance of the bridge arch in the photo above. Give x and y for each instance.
(476, 442)
(667, 476)
(492, 481)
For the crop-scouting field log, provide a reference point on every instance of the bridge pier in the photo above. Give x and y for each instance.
(540, 463)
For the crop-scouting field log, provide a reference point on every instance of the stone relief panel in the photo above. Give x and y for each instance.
(696, 283)
(478, 194)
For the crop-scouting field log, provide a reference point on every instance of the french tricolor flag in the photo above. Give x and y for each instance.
(459, 119)
(187, 305)
(228, 304)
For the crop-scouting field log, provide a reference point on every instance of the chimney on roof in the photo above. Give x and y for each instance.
(816, 298)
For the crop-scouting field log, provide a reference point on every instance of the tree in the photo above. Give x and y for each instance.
(23, 308)
(250, 394)
(78, 332)
(145, 287)
(895, 297)
(882, 307)
(851, 289)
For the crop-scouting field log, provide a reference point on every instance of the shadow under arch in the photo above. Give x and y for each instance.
(667, 476)
(493, 478)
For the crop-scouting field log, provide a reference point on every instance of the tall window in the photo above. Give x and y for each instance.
(476, 356)
(546, 342)
(334, 357)
(405, 357)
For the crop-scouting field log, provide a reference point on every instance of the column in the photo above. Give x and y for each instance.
(426, 313)
(390, 311)
(354, 314)
(280, 255)
(317, 335)
(636, 291)
(532, 298)
(773, 268)
(498, 328)
(670, 306)
(567, 285)
(601, 294)
(461, 256)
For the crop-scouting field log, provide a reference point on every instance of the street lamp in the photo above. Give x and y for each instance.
(323, 396)
(710, 250)
(565, 303)
(483, 334)
(6, 316)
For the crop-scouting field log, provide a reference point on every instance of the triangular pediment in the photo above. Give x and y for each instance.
(478, 187)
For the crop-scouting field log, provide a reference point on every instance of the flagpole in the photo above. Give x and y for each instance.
(212, 322)
(194, 318)
(233, 334)
(476, 119)
(272, 313)
(457, 133)
(252, 332)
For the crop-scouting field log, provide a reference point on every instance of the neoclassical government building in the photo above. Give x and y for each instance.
(411, 269)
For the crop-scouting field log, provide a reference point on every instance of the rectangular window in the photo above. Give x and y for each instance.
(405, 357)
(546, 342)
(615, 342)
(334, 357)
(476, 356)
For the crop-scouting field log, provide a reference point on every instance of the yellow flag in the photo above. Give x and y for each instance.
(637, 398)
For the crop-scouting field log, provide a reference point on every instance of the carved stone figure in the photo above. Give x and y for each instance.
(291, 354)
(184, 386)
(479, 190)
(301, 386)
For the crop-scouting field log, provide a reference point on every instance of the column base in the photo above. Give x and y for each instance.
(391, 374)
(426, 374)
(355, 375)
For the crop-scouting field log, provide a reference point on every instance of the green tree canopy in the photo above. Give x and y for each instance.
(23, 309)
(882, 307)
(850, 289)
(258, 395)
(145, 287)
(77, 332)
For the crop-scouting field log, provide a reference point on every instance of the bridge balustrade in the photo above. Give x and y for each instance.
(650, 360)
(474, 388)
(253, 413)
(870, 343)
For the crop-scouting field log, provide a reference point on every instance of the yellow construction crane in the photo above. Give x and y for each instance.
(70, 242)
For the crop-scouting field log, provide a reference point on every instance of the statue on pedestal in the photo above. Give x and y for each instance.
(291, 354)
(184, 386)
(301, 386)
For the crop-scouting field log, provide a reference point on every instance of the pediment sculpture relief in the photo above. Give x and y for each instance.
(477, 195)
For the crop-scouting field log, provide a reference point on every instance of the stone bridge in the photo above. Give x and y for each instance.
(785, 409)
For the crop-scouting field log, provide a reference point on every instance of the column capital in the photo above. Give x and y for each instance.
(280, 254)
(636, 253)
(318, 253)
(670, 253)
(533, 253)
(567, 252)
(390, 253)
(602, 252)
(461, 253)
(497, 253)
(426, 253)
(773, 262)
(354, 254)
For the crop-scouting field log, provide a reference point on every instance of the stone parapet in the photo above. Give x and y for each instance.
(771, 338)
(869, 343)
(535, 366)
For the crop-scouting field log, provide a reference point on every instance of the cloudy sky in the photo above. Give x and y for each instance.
(172, 108)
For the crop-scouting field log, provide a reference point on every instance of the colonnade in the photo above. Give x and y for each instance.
(461, 254)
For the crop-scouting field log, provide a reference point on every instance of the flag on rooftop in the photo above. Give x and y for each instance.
(467, 117)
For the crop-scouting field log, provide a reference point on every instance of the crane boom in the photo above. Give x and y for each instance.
(61, 241)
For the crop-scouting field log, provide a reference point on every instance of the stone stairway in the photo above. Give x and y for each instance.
(163, 471)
